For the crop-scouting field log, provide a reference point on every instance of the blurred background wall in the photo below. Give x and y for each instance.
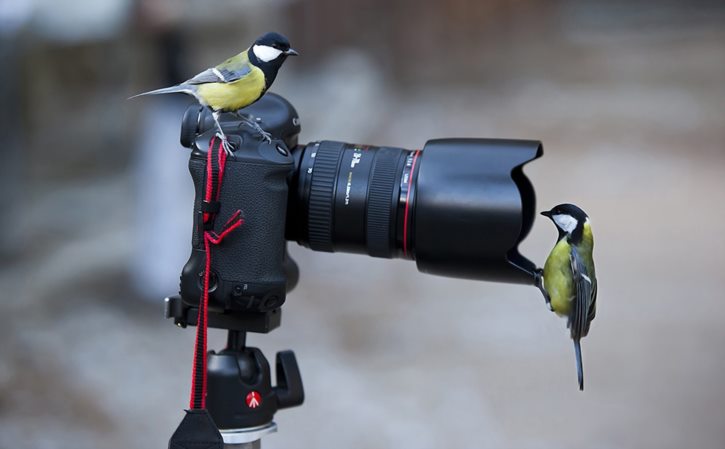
(627, 97)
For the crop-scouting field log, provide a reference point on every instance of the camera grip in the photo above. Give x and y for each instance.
(248, 271)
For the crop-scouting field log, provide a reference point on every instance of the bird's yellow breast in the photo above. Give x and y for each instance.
(228, 97)
(558, 280)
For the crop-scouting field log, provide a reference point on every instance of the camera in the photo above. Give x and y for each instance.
(457, 207)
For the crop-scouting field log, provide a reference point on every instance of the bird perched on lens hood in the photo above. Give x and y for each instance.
(237, 82)
(569, 280)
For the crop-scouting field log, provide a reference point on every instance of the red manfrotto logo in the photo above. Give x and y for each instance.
(254, 400)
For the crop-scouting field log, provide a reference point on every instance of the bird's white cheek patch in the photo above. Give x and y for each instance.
(266, 53)
(565, 222)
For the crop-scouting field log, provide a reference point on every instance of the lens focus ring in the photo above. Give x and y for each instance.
(322, 191)
(380, 242)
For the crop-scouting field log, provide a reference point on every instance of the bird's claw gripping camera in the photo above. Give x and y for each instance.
(458, 207)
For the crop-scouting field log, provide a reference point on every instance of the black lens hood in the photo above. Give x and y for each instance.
(474, 205)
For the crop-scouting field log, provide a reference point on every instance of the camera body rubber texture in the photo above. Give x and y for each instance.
(248, 267)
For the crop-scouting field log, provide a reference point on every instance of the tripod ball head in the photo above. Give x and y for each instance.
(241, 394)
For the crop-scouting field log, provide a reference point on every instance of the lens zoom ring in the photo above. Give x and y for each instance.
(322, 193)
(380, 203)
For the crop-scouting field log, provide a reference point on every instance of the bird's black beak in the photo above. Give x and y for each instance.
(546, 213)
(291, 52)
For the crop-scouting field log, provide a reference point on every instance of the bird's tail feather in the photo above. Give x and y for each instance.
(579, 367)
(179, 88)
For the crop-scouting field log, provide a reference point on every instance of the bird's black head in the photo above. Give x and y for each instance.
(568, 218)
(272, 48)
(273, 39)
(268, 53)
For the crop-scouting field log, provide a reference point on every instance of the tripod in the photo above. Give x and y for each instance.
(240, 398)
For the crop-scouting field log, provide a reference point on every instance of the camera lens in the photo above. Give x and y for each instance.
(354, 198)
(459, 207)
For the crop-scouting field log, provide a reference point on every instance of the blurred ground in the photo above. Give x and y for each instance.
(631, 117)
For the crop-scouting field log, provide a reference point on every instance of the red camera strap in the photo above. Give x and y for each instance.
(215, 163)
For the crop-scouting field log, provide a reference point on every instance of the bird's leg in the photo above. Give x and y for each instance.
(225, 142)
(539, 282)
(252, 123)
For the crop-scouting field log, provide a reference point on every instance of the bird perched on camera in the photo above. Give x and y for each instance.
(237, 82)
(569, 280)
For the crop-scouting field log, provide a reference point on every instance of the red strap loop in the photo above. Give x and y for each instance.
(215, 164)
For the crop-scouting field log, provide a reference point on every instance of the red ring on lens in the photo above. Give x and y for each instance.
(407, 205)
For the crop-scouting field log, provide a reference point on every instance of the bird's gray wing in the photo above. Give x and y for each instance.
(220, 75)
(583, 301)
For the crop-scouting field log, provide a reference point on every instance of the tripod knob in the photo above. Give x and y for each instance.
(289, 390)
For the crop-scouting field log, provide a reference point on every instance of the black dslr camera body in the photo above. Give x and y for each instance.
(459, 208)
(251, 270)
